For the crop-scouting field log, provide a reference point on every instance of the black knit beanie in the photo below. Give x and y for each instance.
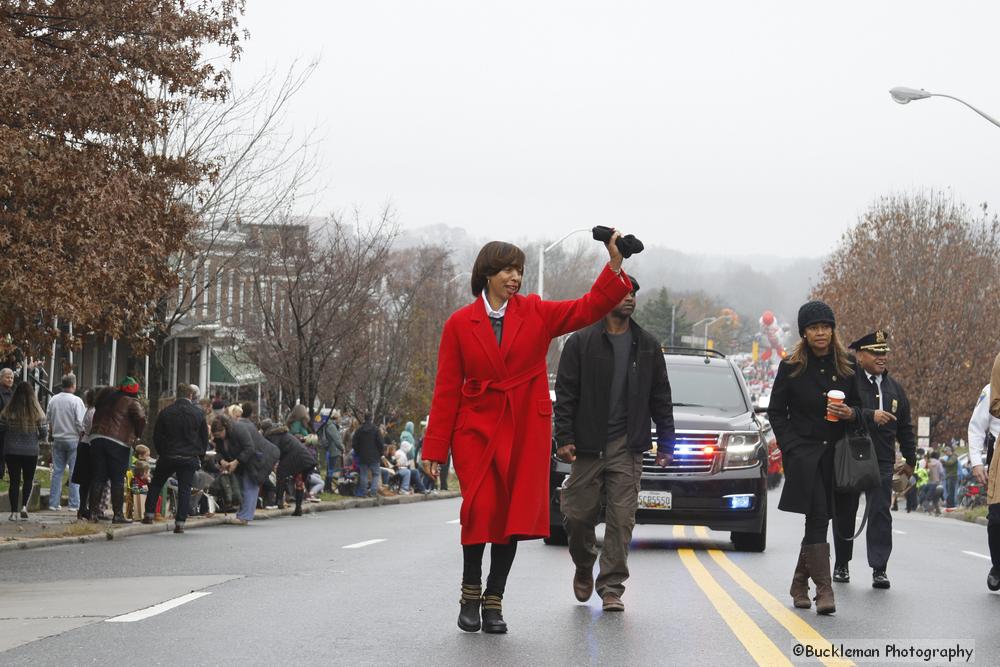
(815, 312)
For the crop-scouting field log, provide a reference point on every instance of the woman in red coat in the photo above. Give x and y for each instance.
(491, 408)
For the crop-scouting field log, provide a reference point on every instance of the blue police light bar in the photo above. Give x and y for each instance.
(739, 501)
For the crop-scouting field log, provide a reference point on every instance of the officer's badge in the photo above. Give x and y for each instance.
(895, 403)
(879, 336)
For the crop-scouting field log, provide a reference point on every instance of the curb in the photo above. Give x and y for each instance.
(961, 517)
(261, 515)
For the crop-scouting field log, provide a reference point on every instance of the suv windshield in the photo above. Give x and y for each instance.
(706, 386)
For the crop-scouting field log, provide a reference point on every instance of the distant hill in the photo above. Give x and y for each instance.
(748, 284)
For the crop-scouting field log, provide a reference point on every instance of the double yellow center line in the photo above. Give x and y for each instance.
(761, 648)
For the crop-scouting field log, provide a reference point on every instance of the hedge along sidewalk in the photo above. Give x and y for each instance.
(114, 532)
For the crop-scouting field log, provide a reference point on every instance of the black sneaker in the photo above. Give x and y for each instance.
(841, 574)
(24, 514)
(879, 580)
(993, 579)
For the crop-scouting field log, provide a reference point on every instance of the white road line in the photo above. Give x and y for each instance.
(454, 521)
(156, 608)
(973, 553)
(899, 532)
(363, 544)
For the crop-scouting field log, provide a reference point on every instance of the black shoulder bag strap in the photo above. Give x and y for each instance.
(864, 517)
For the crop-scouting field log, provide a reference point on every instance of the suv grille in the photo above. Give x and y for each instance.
(693, 452)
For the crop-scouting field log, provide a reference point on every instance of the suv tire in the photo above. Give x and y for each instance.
(557, 537)
(756, 542)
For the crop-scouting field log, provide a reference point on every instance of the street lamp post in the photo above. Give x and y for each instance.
(904, 95)
(709, 321)
(541, 260)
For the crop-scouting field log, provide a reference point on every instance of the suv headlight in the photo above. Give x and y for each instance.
(741, 450)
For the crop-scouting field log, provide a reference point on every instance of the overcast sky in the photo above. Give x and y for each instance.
(729, 127)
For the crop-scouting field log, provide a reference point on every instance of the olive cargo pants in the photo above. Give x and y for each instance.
(614, 476)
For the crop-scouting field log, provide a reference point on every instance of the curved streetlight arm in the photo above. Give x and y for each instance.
(904, 95)
(961, 101)
(541, 260)
(575, 231)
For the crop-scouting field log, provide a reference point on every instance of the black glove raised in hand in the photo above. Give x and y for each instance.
(627, 245)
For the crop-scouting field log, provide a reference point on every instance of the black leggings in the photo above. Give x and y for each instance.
(501, 560)
(108, 461)
(16, 467)
(818, 517)
(993, 533)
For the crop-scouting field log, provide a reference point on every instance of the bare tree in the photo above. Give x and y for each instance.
(923, 267)
(410, 314)
(313, 296)
(258, 171)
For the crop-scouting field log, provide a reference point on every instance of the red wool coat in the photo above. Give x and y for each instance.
(491, 407)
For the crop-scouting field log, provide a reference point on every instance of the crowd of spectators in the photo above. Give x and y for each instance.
(209, 456)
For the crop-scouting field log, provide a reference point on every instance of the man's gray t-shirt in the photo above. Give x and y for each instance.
(621, 344)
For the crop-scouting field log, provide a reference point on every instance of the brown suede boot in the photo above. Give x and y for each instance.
(800, 582)
(818, 562)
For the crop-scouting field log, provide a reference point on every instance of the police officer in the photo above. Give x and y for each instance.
(612, 380)
(887, 416)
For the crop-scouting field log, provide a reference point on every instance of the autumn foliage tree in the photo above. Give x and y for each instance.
(88, 213)
(924, 268)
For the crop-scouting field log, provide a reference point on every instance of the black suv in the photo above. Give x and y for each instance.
(718, 475)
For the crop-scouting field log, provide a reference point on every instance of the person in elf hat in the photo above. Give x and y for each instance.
(887, 417)
(118, 420)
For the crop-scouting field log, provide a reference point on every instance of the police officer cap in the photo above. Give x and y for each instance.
(876, 341)
(815, 312)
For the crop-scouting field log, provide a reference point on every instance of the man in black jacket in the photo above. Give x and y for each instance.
(370, 446)
(612, 380)
(180, 437)
(887, 417)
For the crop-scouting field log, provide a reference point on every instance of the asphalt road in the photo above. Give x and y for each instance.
(381, 585)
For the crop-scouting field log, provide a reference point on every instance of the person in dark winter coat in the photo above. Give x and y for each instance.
(807, 427)
(370, 447)
(181, 440)
(248, 454)
(612, 382)
(295, 461)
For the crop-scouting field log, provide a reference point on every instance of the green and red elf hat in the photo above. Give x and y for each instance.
(129, 385)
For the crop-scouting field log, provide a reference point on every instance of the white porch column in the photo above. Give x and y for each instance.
(206, 365)
(114, 361)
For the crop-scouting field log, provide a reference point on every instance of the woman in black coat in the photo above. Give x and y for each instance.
(248, 454)
(295, 461)
(801, 419)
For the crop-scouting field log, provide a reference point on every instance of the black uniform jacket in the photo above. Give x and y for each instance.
(797, 411)
(884, 437)
(583, 391)
(181, 431)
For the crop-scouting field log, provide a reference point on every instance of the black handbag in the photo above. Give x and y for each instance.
(855, 469)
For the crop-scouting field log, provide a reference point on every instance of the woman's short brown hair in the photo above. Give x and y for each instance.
(493, 258)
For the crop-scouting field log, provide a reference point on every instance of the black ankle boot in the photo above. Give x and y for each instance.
(468, 610)
(493, 622)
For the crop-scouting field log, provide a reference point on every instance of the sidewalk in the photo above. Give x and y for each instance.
(47, 528)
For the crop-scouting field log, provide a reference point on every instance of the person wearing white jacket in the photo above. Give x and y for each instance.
(65, 415)
(983, 426)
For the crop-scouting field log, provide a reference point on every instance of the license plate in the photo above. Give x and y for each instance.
(655, 500)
